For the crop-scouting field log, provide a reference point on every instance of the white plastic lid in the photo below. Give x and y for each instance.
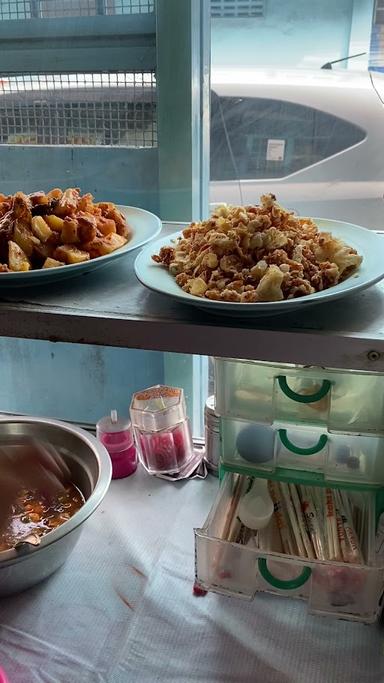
(113, 423)
(256, 507)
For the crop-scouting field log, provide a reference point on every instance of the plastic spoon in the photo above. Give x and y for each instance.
(256, 507)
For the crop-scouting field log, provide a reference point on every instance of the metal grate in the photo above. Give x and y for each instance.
(237, 8)
(50, 9)
(117, 109)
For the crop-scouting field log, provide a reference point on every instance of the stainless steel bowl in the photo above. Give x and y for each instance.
(91, 470)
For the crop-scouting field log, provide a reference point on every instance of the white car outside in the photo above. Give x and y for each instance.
(347, 185)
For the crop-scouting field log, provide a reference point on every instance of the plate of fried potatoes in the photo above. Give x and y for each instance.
(60, 234)
(256, 260)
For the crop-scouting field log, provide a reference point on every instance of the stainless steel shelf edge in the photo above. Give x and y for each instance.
(110, 307)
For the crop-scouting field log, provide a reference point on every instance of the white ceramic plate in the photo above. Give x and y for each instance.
(145, 226)
(367, 243)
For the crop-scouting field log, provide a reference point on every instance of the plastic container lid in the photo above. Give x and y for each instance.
(113, 423)
(256, 507)
(157, 408)
(115, 432)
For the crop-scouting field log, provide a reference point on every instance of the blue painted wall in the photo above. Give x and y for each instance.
(118, 174)
(71, 381)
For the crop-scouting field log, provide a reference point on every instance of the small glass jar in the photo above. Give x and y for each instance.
(162, 430)
(212, 436)
(117, 436)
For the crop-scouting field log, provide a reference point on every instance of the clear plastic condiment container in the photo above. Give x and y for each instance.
(162, 430)
(116, 434)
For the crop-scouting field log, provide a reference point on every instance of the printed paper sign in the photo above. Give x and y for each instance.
(275, 150)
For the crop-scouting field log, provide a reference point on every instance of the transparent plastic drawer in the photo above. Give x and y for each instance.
(244, 389)
(230, 562)
(246, 444)
(340, 401)
(340, 457)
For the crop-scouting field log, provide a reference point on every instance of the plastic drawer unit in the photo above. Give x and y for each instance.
(341, 457)
(227, 564)
(308, 445)
(337, 400)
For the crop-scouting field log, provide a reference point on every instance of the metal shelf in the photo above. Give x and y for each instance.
(111, 308)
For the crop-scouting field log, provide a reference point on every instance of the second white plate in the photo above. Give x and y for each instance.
(367, 243)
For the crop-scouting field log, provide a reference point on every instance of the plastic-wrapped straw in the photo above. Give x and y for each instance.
(331, 527)
(350, 534)
(312, 521)
(292, 519)
(340, 530)
(281, 519)
(301, 521)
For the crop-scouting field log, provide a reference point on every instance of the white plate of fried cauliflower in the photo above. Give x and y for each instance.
(61, 233)
(263, 258)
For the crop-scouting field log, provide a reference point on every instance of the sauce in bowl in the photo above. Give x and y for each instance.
(35, 514)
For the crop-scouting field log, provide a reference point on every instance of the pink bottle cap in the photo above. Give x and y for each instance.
(115, 433)
(3, 678)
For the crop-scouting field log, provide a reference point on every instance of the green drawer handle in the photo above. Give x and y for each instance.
(302, 451)
(300, 398)
(289, 584)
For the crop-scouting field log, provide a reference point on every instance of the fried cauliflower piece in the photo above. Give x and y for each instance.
(274, 239)
(333, 250)
(346, 259)
(197, 286)
(259, 270)
(269, 287)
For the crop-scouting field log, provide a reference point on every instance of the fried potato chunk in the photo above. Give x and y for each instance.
(40, 228)
(17, 259)
(54, 222)
(68, 253)
(25, 238)
(52, 263)
(100, 246)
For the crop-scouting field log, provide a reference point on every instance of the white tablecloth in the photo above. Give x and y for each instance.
(122, 610)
